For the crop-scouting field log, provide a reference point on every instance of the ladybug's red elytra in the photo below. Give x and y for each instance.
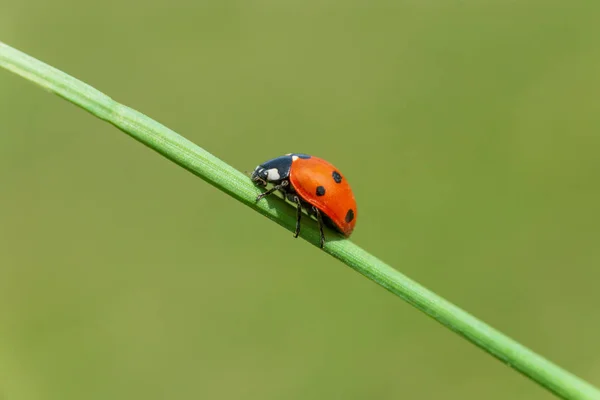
(313, 184)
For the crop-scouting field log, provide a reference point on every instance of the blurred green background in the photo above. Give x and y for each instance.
(469, 132)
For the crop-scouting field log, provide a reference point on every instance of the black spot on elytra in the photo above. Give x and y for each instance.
(337, 177)
(349, 216)
(320, 191)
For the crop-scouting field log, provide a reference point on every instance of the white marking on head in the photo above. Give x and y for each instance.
(294, 158)
(257, 168)
(273, 174)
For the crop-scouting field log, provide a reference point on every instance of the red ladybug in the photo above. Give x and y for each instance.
(314, 184)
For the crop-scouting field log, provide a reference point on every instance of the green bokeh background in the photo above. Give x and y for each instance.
(469, 132)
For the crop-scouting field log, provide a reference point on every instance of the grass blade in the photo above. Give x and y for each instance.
(224, 177)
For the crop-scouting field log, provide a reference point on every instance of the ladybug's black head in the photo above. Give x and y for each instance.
(260, 176)
(272, 171)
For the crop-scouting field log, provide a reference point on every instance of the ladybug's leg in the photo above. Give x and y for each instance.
(273, 189)
(320, 222)
(298, 215)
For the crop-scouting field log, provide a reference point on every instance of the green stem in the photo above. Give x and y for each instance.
(234, 183)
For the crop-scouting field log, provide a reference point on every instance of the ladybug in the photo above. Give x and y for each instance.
(313, 184)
